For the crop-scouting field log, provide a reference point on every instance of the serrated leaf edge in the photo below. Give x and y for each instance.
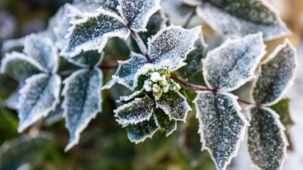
(282, 133)
(168, 113)
(227, 43)
(291, 81)
(145, 137)
(191, 3)
(122, 121)
(126, 98)
(197, 29)
(169, 133)
(26, 87)
(202, 140)
(116, 79)
(267, 4)
(48, 42)
(85, 47)
(149, 14)
(64, 106)
(16, 55)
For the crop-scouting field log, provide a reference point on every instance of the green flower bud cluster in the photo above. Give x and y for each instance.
(159, 81)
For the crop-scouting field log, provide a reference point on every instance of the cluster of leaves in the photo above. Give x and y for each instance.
(79, 32)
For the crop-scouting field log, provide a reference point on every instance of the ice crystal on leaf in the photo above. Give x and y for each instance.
(192, 2)
(277, 75)
(233, 64)
(174, 105)
(156, 23)
(222, 125)
(142, 117)
(82, 98)
(92, 32)
(26, 66)
(138, 12)
(139, 132)
(39, 93)
(266, 139)
(236, 18)
(38, 97)
(139, 110)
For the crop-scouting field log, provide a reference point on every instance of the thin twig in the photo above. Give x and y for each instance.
(192, 86)
(245, 102)
(189, 19)
(141, 45)
(67, 72)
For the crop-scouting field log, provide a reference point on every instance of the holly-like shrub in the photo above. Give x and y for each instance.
(60, 71)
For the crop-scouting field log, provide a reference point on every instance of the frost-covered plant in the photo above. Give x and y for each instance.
(161, 54)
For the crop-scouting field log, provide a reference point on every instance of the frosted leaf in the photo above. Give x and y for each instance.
(282, 108)
(87, 58)
(26, 67)
(127, 71)
(266, 140)
(138, 110)
(192, 2)
(166, 125)
(82, 101)
(23, 150)
(61, 25)
(155, 24)
(38, 97)
(222, 126)
(138, 12)
(238, 18)
(233, 64)
(112, 4)
(173, 43)
(174, 104)
(93, 32)
(43, 51)
(139, 132)
(194, 59)
(277, 75)
(125, 99)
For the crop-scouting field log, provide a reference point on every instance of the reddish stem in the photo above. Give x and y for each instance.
(141, 45)
(192, 86)
(245, 102)
(184, 83)
(189, 19)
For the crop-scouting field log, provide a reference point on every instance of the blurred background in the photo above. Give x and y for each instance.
(104, 144)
